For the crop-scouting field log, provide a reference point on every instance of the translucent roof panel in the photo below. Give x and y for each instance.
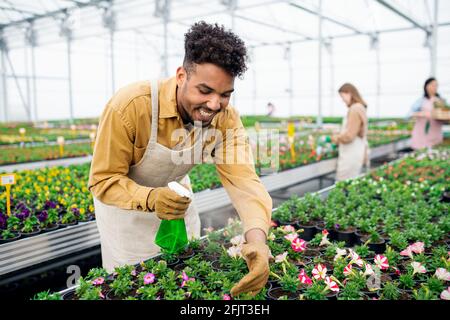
(16, 10)
(274, 30)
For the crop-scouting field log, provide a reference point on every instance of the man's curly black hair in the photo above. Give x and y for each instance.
(207, 43)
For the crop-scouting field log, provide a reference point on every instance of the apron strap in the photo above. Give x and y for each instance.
(155, 109)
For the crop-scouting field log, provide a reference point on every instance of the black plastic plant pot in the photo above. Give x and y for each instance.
(275, 293)
(378, 248)
(446, 196)
(9, 288)
(184, 255)
(360, 237)
(331, 233)
(286, 223)
(31, 234)
(303, 262)
(173, 262)
(372, 294)
(406, 294)
(216, 265)
(272, 284)
(308, 231)
(179, 267)
(332, 295)
(62, 225)
(111, 296)
(89, 217)
(69, 295)
(348, 237)
(17, 236)
(51, 227)
(311, 253)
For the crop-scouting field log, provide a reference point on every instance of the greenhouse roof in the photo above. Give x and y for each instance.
(276, 22)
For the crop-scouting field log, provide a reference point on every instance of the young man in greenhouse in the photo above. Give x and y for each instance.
(138, 146)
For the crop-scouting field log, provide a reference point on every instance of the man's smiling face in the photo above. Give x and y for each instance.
(203, 91)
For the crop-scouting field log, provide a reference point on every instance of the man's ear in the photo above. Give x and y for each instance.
(181, 76)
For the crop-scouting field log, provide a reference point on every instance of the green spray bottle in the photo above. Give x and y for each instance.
(171, 235)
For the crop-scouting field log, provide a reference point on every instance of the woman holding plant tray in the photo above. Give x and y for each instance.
(352, 140)
(427, 132)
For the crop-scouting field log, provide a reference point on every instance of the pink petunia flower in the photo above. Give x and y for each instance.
(445, 295)
(348, 270)
(291, 237)
(339, 253)
(324, 241)
(355, 258)
(149, 278)
(208, 230)
(226, 297)
(98, 281)
(237, 240)
(319, 272)
(407, 252)
(332, 285)
(234, 251)
(418, 267)
(442, 274)
(418, 247)
(298, 245)
(288, 229)
(303, 277)
(369, 270)
(281, 257)
(186, 279)
(382, 262)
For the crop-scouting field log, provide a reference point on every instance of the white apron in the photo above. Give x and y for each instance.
(128, 236)
(353, 155)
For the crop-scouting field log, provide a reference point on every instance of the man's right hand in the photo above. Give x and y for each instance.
(167, 204)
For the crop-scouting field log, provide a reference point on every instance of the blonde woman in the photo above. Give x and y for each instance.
(352, 140)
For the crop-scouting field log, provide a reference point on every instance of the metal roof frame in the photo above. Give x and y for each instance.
(233, 8)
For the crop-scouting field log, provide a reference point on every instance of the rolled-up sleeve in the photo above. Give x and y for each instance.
(111, 160)
(238, 176)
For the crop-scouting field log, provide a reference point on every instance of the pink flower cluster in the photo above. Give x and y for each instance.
(149, 278)
(186, 279)
(98, 281)
(416, 248)
(303, 277)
